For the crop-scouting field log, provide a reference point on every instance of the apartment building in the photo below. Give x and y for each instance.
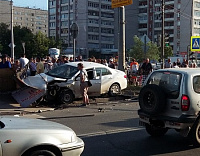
(182, 20)
(34, 19)
(95, 20)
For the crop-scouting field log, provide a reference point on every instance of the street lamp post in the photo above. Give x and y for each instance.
(12, 33)
(23, 45)
(163, 35)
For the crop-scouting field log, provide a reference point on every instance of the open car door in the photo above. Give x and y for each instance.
(95, 77)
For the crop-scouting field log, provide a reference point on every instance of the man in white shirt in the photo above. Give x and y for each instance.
(23, 61)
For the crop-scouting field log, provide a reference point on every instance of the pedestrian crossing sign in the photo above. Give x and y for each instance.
(195, 43)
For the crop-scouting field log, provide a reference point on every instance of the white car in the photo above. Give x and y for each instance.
(63, 83)
(32, 137)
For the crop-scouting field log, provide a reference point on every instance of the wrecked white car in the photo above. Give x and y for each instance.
(62, 84)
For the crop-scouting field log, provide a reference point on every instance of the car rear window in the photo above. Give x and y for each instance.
(168, 81)
(196, 84)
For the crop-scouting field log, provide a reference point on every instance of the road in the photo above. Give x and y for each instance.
(112, 130)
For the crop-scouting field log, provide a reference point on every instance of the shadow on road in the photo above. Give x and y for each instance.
(137, 143)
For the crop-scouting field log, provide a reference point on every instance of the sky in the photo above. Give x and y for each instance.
(42, 4)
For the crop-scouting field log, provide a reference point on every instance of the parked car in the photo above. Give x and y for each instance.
(63, 83)
(32, 137)
(170, 99)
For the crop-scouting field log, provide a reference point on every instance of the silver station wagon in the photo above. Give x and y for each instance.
(170, 99)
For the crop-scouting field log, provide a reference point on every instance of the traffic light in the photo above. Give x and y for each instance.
(166, 40)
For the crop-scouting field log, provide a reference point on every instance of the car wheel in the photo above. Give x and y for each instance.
(66, 96)
(155, 131)
(42, 153)
(152, 99)
(115, 89)
(195, 134)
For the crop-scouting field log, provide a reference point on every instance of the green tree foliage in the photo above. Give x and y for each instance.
(4, 38)
(1, 48)
(168, 52)
(137, 50)
(35, 44)
(153, 51)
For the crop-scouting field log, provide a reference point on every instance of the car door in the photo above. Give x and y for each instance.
(95, 77)
(106, 79)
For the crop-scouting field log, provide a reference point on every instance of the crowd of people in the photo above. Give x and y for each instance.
(178, 64)
(139, 72)
(39, 65)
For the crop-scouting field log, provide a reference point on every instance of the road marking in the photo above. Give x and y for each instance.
(110, 132)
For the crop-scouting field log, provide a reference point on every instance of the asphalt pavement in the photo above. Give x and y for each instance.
(8, 106)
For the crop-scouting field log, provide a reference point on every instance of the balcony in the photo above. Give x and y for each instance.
(143, 6)
(169, 11)
(169, 2)
(169, 19)
(158, 5)
(169, 27)
(142, 21)
(158, 29)
(142, 29)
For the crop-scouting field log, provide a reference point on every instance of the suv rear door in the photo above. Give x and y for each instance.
(170, 83)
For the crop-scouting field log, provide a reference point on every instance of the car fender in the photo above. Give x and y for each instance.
(19, 146)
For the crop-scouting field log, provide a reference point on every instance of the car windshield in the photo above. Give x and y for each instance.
(65, 71)
(168, 81)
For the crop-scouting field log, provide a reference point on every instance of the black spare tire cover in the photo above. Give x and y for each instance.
(152, 99)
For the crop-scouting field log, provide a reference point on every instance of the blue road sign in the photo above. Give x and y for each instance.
(195, 43)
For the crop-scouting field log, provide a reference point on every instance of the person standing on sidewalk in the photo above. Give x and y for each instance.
(83, 84)
(146, 70)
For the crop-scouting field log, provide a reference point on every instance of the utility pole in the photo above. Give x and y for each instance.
(121, 40)
(69, 9)
(163, 35)
(12, 33)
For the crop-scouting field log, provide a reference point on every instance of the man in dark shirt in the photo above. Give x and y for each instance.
(146, 70)
(4, 63)
(178, 63)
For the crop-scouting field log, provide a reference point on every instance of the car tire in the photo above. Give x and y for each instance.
(155, 131)
(42, 153)
(152, 99)
(195, 134)
(66, 96)
(115, 89)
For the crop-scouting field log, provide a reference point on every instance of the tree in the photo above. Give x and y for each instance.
(5, 38)
(153, 51)
(168, 52)
(41, 45)
(23, 35)
(137, 51)
(35, 44)
(1, 48)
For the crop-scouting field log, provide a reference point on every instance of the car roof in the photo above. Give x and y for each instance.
(86, 64)
(189, 71)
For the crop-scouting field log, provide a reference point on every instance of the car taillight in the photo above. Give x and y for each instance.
(185, 103)
(125, 76)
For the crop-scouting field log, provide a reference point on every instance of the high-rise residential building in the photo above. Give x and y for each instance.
(34, 19)
(182, 20)
(95, 20)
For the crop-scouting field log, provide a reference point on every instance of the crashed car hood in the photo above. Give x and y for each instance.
(27, 123)
(40, 81)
